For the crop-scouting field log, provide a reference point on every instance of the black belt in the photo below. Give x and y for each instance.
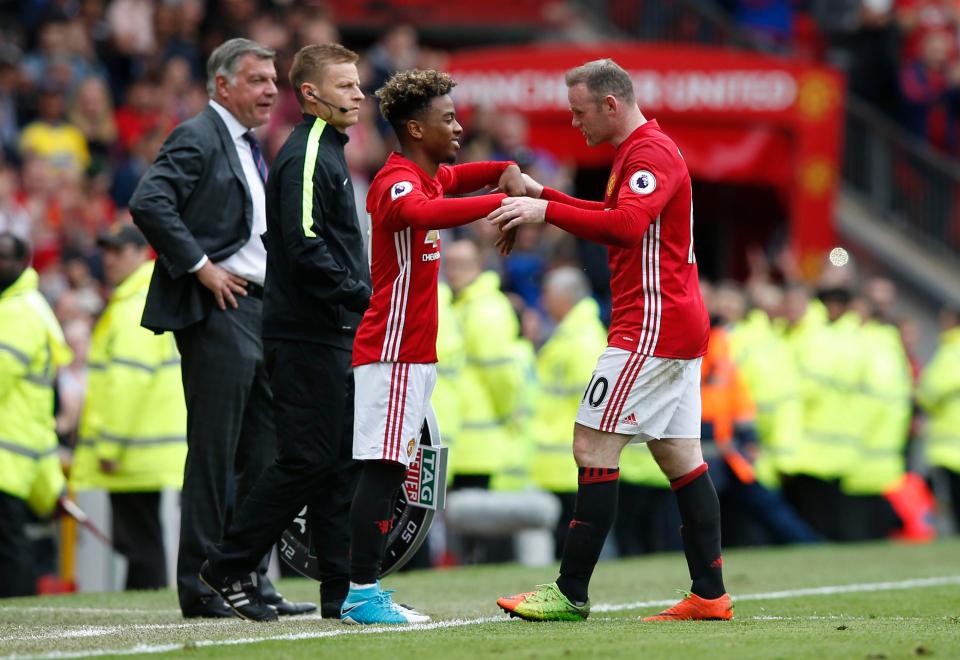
(254, 290)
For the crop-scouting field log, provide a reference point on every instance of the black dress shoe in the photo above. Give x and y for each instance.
(285, 608)
(210, 607)
(242, 595)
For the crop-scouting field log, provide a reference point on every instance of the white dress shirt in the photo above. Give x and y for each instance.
(250, 261)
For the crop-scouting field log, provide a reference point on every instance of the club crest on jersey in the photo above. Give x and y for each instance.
(400, 189)
(643, 182)
(411, 445)
(611, 182)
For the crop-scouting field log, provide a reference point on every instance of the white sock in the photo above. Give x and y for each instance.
(354, 585)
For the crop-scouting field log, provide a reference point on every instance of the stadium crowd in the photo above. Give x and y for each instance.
(903, 56)
(814, 396)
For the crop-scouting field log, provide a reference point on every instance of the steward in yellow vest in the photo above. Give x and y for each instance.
(132, 439)
(450, 362)
(939, 394)
(767, 364)
(828, 351)
(564, 366)
(491, 379)
(31, 349)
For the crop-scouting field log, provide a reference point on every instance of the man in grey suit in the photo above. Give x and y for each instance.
(201, 205)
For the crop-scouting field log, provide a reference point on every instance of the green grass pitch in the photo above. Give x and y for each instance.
(860, 601)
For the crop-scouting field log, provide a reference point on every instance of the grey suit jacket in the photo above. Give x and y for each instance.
(193, 200)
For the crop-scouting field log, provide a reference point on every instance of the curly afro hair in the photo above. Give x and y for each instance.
(408, 93)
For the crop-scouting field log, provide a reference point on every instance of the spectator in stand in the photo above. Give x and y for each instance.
(177, 89)
(14, 218)
(132, 168)
(176, 27)
(365, 153)
(929, 83)
(52, 138)
(141, 113)
(79, 278)
(9, 100)
(91, 111)
(770, 21)
(917, 18)
(131, 26)
(861, 38)
(396, 50)
(57, 49)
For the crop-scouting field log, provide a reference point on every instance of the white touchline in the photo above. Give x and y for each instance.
(797, 593)
(58, 631)
(456, 623)
(89, 610)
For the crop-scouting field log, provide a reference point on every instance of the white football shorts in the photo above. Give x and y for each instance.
(390, 404)
(646, 397)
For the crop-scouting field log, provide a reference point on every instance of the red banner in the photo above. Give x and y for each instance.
(736, 116)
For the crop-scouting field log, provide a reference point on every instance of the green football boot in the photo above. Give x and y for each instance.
(547, 603)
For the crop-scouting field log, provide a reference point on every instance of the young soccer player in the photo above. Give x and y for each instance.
(395, 352)
(646, 386)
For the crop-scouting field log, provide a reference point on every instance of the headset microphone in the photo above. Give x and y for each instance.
(335, 107)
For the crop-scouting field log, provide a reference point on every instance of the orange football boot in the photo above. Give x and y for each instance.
(695, 608)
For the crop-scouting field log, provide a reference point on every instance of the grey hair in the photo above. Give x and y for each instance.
(224, 60)
(571, 281)
(602, 78)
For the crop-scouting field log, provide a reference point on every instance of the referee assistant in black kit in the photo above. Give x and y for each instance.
(317, 287)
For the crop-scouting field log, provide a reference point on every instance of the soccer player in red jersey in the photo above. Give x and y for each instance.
(395, 350)
(646, 386)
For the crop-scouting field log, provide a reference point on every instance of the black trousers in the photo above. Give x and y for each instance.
(648, 520)
(16, 568)
(230, 432)
(138, 536)
(313, 403)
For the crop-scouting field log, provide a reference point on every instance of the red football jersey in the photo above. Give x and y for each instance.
(406, 209)
(646, 220)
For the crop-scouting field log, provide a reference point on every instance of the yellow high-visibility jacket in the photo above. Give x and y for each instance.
(31, 349)
(886, 387)
(939, 394)
(490, 380)
(134, 412)
(450, 361)
(767, 363)
(515, 472)
(564, 367)
(830, 359)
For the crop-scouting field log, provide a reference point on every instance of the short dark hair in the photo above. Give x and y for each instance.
(408, 93)
(311, 60)
(602, 78)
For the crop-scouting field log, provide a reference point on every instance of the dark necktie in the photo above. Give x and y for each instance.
(257, 154)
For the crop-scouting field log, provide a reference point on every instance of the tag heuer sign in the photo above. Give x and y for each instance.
(420, 498)
(420, 486)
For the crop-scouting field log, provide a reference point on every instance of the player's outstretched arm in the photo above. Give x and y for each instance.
(553, 195)
(617, 227)
(468, 177)
(421, 213)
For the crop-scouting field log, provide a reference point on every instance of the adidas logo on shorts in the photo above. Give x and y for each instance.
(630, 419)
